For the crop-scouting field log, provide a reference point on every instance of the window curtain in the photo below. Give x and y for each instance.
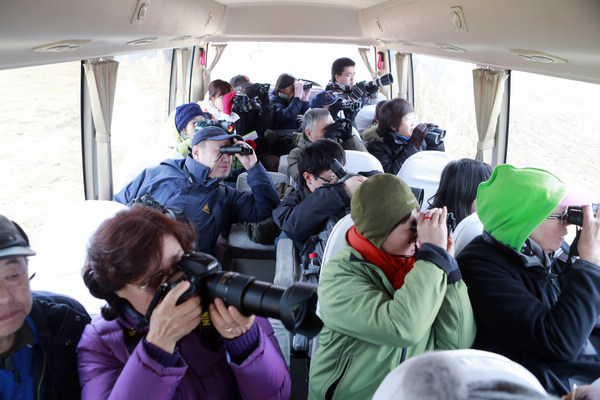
(488, 87)
(401, 77)
(101, 77)
(218, 48)
(365, 52)
(183, 57)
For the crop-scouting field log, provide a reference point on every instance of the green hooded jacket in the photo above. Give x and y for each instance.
(514, 201)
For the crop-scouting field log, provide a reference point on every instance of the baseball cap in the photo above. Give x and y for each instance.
(241, 81)
(324, 99)
(212, 133)
(13, 240)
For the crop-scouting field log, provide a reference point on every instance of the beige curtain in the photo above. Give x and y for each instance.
(488, 87)
(183, 57)
(401, 78)
(218, 48)
(101, 77)
(365, 52)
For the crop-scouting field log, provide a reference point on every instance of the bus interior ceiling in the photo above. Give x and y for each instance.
(552, 37)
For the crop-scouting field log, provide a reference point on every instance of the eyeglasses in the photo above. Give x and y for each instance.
(155, 281)
(349, 74)
(560, 217)
(332, 181)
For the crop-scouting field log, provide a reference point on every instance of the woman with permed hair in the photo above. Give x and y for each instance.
(171, 354)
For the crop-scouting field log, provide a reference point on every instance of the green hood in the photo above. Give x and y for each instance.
(514, 201)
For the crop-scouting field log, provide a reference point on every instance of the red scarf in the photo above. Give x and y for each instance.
(395, 268)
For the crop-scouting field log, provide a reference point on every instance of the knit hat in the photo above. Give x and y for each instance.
(185, 113)
(378, 204)
(13, 240)
(514, 201)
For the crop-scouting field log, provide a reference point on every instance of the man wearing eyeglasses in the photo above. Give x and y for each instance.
(39, 331)
(534, 303)
(343, 84)
(320, 199)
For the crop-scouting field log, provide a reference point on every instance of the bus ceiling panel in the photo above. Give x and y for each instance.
(493, 30)
(108, 25)
(304, 22)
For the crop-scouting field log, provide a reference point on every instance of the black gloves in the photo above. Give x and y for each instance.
(418, 135)
(341, 128)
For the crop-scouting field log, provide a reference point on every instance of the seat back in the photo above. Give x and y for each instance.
(466, 231)
(337, 238)
(242, 180)
(423, 170)
(135, 162)
(62, 249)
(359, 161)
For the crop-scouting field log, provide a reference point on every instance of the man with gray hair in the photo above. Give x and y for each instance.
(317, 124)
(39, 331)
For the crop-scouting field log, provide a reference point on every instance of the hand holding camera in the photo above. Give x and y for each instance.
(432, 228)
(588, 244)
(170, 321)
(229, 321)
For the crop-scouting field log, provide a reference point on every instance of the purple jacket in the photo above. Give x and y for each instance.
(108, 371)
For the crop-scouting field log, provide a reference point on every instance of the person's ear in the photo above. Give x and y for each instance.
(307, 177)
(309, 135)
(195, 152)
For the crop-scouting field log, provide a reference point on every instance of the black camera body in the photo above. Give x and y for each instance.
(434, 136)
(307, 85)
(243, 104)
(227, 126)
(575, 214)
(350, 105)
(235, 149)
(341, 128)
(450, 223)
(295, 306)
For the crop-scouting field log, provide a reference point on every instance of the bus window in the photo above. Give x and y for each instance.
(264, 62)
(553, 125)
(139, 125)
(444, 96)
(41, 142)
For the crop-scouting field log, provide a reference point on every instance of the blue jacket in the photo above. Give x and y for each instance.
(211, 205)
(286, 112)
(49, 366)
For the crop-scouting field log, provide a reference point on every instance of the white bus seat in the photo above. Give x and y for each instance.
(248, 257)
(365, 117)
(283, 165)
(423, 170)
(466, 231)
(359, 161)
(335, 242)
(135, 162)
(62, 249)
(337, 238)
(478, 371)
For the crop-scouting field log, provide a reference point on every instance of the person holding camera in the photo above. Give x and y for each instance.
(317, 124)
(398, 136)
(39, 330)
(213, 102)
(320, 199)
(394, 291)
(289, 99)
(343, 84)
(178, 350)
(195, 185)
(533, 301)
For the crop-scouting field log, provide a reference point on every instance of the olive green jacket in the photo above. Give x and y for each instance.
(370, 327)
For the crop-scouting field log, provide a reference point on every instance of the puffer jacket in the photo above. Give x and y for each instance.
(370, 328)
(392, 150)
(108, 371)
(211, 205)
(287, 111)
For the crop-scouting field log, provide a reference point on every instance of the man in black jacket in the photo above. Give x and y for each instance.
(532, 304)
(320, 197)
(39, 331)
